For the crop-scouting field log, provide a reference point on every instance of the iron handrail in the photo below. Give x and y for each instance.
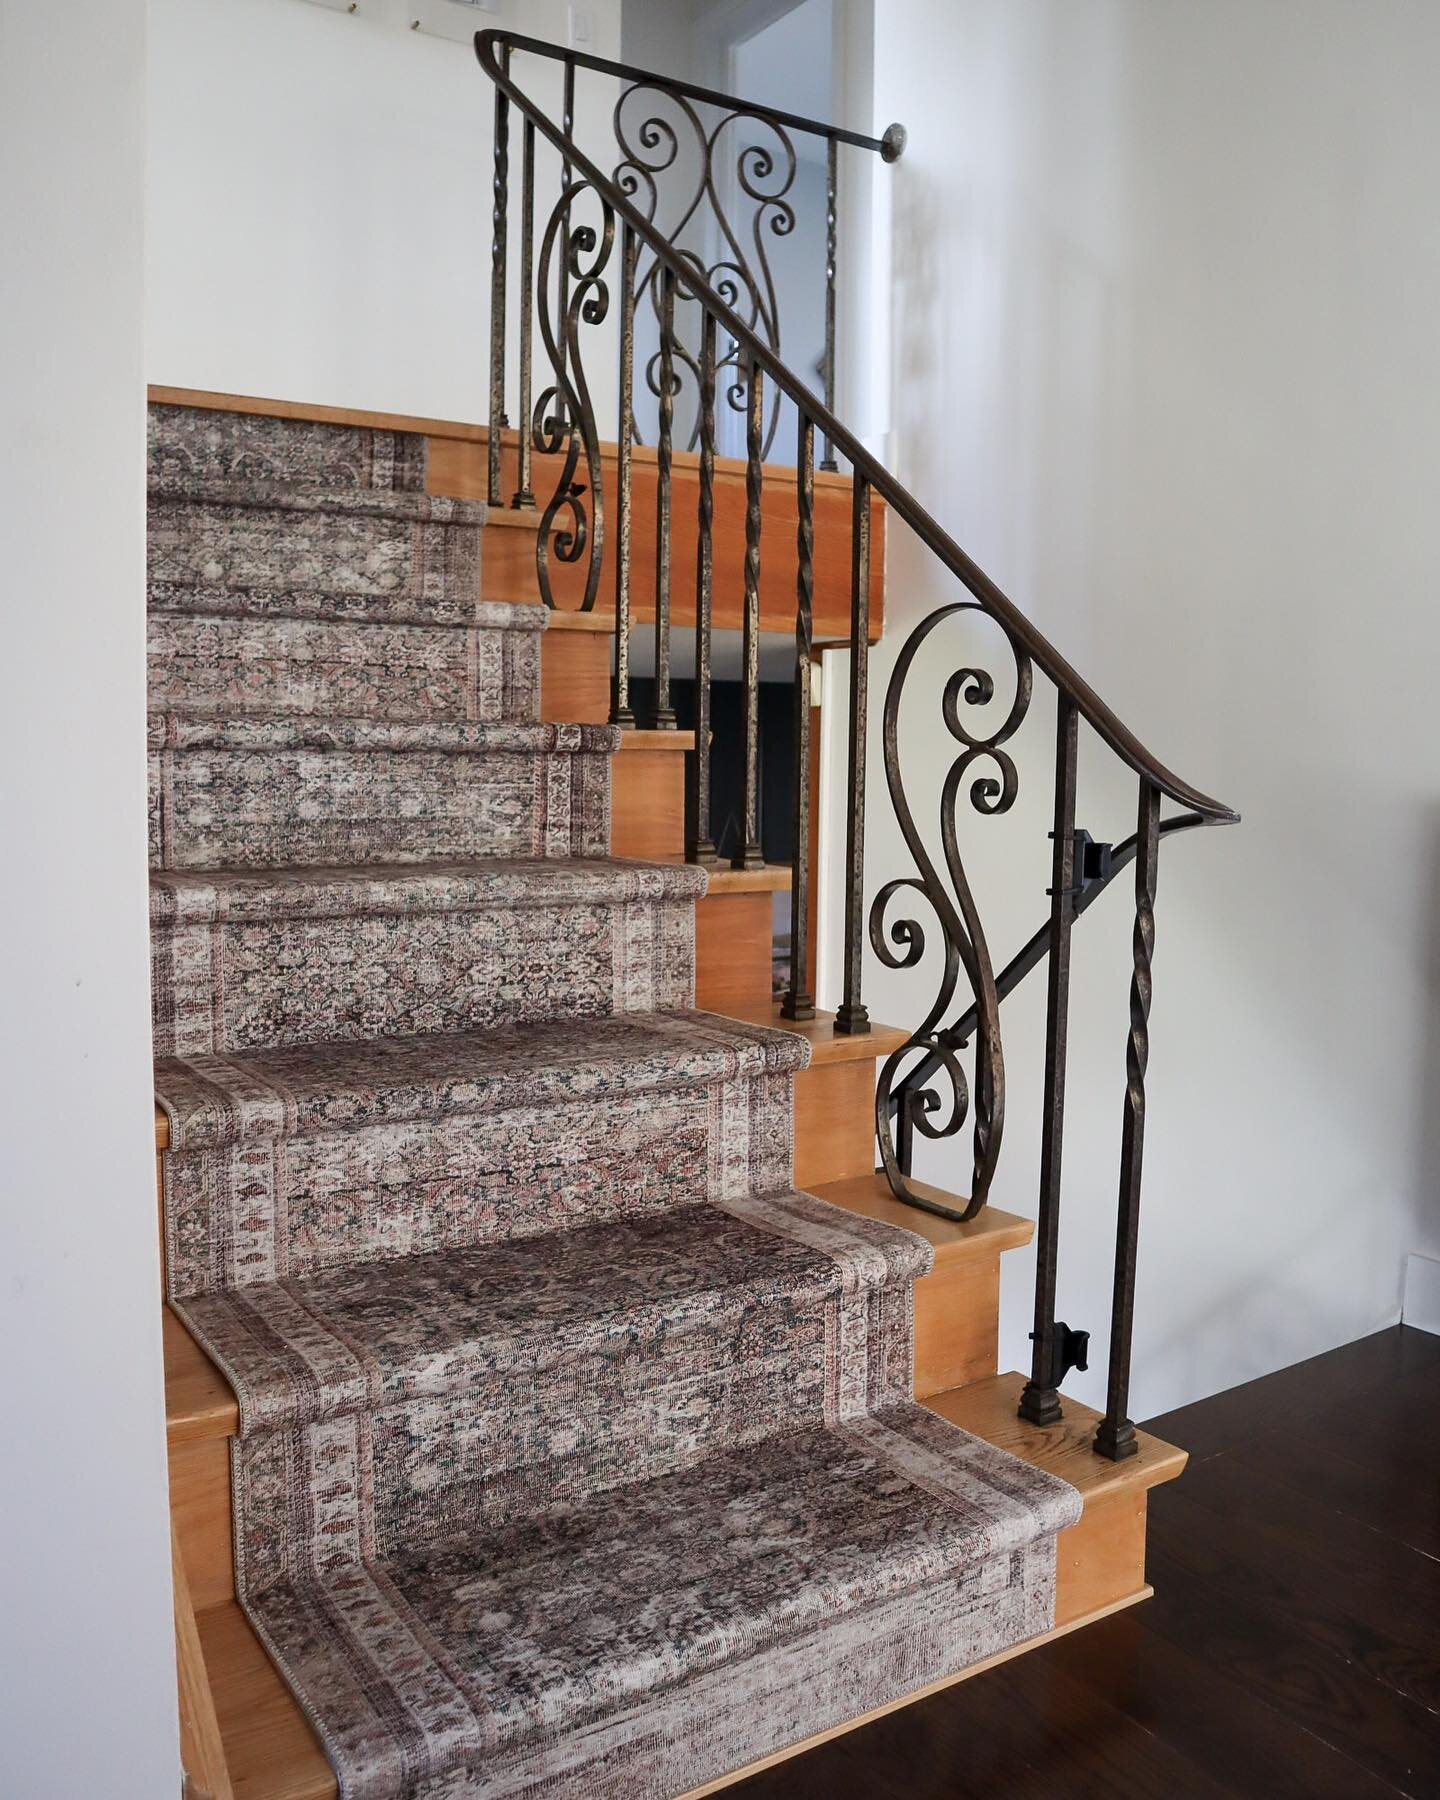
(898, 499)
(888, 147)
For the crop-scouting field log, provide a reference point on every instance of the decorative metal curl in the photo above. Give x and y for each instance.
(900, 942)
(564, 417)
(764, 172)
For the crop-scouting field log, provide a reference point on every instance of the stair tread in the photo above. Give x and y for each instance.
(703, 1282)
(276, 495)
(307, 1088)
(989, 1408)
(180, 729)
(508, 1640)
(320, 890)
(272, 1751)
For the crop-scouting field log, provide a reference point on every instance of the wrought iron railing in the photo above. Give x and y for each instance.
(573, 291)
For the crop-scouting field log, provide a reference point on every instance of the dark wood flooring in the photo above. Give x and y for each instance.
(1292, 1648)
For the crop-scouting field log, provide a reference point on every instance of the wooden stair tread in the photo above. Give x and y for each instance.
(657, 740)
(988, 1408)
(271, 1752)
(955, 1242)
(774, 878)
(199, 1403)
(563, 618)
(826, 1044)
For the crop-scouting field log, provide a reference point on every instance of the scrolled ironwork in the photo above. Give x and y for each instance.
(763, 171)
(563, 421)
(900, 943)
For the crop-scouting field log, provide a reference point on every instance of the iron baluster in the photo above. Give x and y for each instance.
(620, 710)
(702, 845)
(1115, 1435)
(799, 1002)
(1040, 1402)
(664, 713)
(567, 121)
(499, 210)
(851, 1018)
(524, 496)
(748, 854)
(832, 158)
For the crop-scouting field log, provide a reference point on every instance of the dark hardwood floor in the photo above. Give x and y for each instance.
(1292, 1648)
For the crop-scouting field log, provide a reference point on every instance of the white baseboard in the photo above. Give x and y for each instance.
(1422, 1293)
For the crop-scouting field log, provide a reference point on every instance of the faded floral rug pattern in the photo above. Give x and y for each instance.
(576, 1452)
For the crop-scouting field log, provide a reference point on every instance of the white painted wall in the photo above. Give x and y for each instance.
(320, 199)
(87, 1661)
(1164, 289)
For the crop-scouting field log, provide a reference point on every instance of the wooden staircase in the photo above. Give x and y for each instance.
(244, 1734)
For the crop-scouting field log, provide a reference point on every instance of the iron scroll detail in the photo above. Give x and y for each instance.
(993, 784)
(762, 169)
(563, 420)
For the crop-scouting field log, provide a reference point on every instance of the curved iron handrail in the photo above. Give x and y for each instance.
(888, 147)
(898, 499)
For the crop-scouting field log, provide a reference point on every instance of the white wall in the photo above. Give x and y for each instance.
(1165, 284)
(87, 1661)
(320, 199)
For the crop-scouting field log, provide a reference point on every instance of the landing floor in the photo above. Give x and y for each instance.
(1292, 1648)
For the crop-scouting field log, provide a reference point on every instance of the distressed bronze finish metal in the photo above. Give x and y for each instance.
(799, 1002)
(701, 848)
(524, 496)
(725, 296)
(499, 211)
(620, 709)
(962, 933)
(851, 1018)
(748, 854)
(564, 420)
(663, 717)
(1115, 1434)
(832, 175)
(1040, 1401)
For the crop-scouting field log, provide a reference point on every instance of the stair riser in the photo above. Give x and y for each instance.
(292, 1208)
(392, 569)
(225, 666)
(230, 985)
(393, 1481)
(191, 444)
(267, 809)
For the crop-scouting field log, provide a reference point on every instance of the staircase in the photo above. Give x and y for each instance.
(566, 1447)
(559, 1400)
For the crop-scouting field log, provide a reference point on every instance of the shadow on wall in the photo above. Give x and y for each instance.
(1427, 1223)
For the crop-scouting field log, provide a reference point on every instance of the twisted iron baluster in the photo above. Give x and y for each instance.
(664, 719)
(702, 846)
(524, 496)
(832, 154)
(1115, 1435)
(748, 854)
(620, 711)
(799, 1002)
(851, 1018)
(500, 200)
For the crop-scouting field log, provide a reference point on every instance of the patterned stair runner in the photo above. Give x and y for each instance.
(576, 1452)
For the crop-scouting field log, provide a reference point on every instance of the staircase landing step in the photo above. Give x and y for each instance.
(273, 1755)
